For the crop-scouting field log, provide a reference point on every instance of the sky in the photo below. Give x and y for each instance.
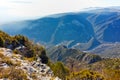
(13, 10)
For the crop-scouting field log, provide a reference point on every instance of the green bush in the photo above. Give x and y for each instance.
(60, 70)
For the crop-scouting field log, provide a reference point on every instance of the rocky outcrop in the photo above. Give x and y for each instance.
(34, 70)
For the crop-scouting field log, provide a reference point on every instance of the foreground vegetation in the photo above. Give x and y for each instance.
(22, 45)
(107, 69)
(13, 74)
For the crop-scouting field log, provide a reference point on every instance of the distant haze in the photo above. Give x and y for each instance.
(14, 10)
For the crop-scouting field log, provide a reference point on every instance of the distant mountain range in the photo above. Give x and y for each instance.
(82, 30)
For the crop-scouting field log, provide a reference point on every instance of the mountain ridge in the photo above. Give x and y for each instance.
(101, 25)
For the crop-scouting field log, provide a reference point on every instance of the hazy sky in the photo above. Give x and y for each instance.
(19, 9)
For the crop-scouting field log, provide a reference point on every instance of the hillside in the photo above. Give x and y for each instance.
(71, 56)
(84, 65)
(22, 45)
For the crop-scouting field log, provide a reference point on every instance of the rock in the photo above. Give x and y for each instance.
(4, 79)
(38, 60)
(20, 47)
(4, 65)
(40, 70)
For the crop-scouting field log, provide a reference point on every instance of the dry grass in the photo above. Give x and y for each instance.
(33, 76)
(29, 59)
(13, 74)
(8, 61)
(1, 55)
(5, 59)
(1, 50)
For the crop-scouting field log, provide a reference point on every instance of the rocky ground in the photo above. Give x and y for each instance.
(34, 70)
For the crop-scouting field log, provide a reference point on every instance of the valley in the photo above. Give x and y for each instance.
(68, 46)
